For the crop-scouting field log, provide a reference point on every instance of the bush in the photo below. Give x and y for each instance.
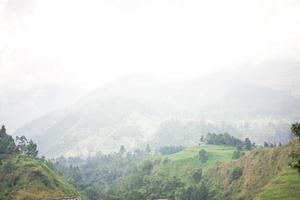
(236, 173)
(203, 157)
(237, 154)
(196, 175)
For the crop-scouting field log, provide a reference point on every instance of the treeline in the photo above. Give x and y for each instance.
(95, 175)
(171, 149)
(22, 146)
(228, 140)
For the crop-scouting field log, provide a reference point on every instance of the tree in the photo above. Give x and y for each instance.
(266, 144)
(2, 131)
(236, 154)
(202, 139)
(248, 144)
(25, 147)
(203, 156)
(197, 175)
(31, 149)
(122, 150)
(7, 143)
(295, 128)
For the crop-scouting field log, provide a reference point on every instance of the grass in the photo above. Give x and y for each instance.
(181, 164)
(285, 186)
(25, 178)
(265, 172)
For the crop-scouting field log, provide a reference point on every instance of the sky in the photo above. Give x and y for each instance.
(54, 51)
(87, 43)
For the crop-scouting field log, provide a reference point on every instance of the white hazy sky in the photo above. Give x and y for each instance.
(90, 42)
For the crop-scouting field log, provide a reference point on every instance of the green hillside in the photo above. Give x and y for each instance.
(284, 186)
(162, 176)
(261, 174)
(180, 163)
(26, 178)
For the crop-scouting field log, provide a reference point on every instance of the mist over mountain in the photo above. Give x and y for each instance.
(137, 110)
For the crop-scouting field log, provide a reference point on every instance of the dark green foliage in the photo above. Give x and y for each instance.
(26, 147)
(193, 192)
(167, 150)
(266, 144)
(295, 159)
(226, 139)
(248, 145)
(236, 173)
(97, 175)
(7, 144)
(203, 157)
(237, 154)
(196, 175)
(295, 128)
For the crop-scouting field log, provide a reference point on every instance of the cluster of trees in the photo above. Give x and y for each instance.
(95, 175)
(21, 145)
(266, 144)
(167, 150)
(228, 140)
(192, 192)
(142, 184)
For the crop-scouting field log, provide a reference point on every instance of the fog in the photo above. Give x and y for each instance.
(56, 54)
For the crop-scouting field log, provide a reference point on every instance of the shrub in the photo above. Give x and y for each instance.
(203, 157)
(236, 173)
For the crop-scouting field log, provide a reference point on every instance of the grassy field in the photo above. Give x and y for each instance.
(285, 186)
(184, 162)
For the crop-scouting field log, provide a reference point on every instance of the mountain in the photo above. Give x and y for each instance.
(138, 110)
(20, 104)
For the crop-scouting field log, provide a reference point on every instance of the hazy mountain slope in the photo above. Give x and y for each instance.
(20, 105)
(133, 111)
(96, 127)
(23, 178)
